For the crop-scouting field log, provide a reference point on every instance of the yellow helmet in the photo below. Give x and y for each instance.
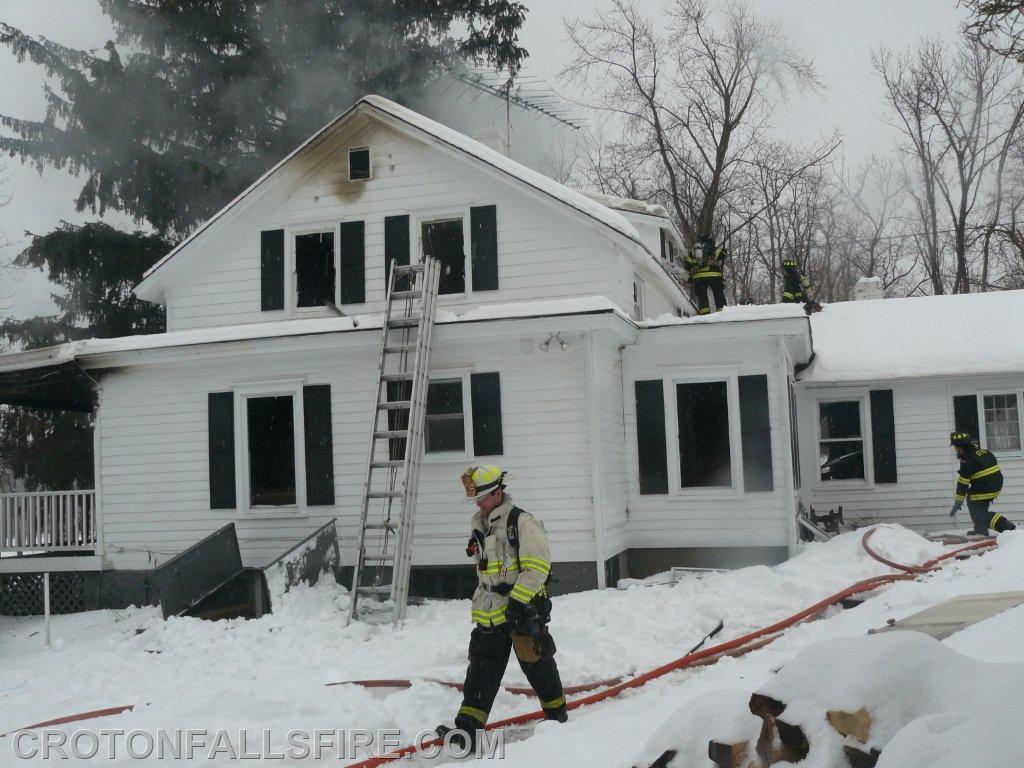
(479, 481)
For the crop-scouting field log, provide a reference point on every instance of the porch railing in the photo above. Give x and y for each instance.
(48, 521)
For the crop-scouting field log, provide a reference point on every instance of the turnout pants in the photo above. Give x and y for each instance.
(983, 518)
(489, 650)
(708, 291)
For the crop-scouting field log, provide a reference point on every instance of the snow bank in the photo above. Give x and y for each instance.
(920, 336)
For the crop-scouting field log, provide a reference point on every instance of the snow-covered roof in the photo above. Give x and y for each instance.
(77, 350)
(627, 204)
(472, 148)
(738, 314)
(966, 334)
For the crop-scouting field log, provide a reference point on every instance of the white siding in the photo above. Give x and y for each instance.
(701, 517)
(545, 250)
(925, 463)
(154, 444)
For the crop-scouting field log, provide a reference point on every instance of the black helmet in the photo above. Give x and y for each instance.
(706, 240)
(960, 438)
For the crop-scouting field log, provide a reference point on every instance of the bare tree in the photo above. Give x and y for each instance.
(954, 110)
(694, 101)
(998, 25)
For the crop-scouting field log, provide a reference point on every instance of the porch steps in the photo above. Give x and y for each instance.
(380, 581)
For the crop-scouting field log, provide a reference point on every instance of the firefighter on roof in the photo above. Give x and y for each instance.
(979, 482)
(796, 288)
(704, 264)
(511, 607)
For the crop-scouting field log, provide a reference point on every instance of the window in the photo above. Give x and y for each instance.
(638, 298)
(271, 447)
(840, 440)
(445, 426)
(1002, 423)
(359, 164)
(314, 269)
(705, 456)
(444, 241)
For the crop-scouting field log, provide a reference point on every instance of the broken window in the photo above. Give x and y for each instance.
(841, 442)
(445, 427)
(1002, 423)
(705, 458)
(359, 164)
(314, 269)
(443, 240)
(271, 444)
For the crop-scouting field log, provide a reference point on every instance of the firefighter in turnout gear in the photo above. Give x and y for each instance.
(979, 482)
(796, 288)
(706, 275)
(511, 607)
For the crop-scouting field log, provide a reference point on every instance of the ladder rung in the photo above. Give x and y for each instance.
(406, 294)
(374, 590)
(380, 527)
(402, 322)
(385, 494)
(389, 350)
(391, 433)
(402, 376)
(395, 405)
(405, 269)
(387, 464)
(379, 558)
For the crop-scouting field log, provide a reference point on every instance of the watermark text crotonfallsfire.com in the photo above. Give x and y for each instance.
(205, 744)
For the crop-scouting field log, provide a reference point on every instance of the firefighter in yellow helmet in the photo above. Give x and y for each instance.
(511, 607)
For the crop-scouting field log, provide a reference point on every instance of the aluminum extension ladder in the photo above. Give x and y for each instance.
(380, 581)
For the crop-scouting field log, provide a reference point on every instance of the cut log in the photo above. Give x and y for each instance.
(858, 758)
(664, 760)
(794, 743)
(762, 705)
(856, 724)
(729, 755)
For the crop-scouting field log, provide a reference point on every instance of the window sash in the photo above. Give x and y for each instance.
(842, 445)
(1002, 422)
(442, 415)
(309, 291)
(697, 468)
(281, 470)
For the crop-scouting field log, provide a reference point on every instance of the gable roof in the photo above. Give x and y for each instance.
(924, 336)
(474, 151)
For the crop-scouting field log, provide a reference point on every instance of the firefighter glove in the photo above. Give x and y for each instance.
(956, 508)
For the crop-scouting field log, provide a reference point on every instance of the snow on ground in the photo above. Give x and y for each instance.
(270, 673)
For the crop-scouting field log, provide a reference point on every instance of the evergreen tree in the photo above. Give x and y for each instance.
(191, 102)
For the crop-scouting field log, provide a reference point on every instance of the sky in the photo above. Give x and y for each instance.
(837, 34)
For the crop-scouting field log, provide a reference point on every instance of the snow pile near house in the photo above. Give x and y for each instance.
(627, 204)
(929, 705)
(919, 336)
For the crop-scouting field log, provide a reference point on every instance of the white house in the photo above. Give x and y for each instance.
(565, 351)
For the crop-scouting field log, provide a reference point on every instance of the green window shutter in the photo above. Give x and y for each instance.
(221, 430)
(650, 436)
(756, 434)
(316, 408)
(352, 249)
(485, 390)
(483, 229)
(883, 435)
(272, 270)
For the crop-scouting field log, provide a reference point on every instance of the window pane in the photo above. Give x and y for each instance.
(314, 268)
(444, 429)
(271, 451)
(842, 460)
(1002, 423)
(704, 452)
(839, 420)
(443, 241)
(359, 164)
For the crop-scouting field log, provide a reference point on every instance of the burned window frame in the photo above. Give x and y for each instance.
(369, 164)
(279, 388)
(461, 215)
(293, 257)
(864, 438)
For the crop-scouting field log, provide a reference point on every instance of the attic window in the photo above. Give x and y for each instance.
(359, 164)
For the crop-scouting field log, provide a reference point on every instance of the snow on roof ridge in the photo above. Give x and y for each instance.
(572, 197)
(626, 203)
(72, 350)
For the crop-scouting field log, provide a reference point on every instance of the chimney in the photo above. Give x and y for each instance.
(493, 138)
(868, 288)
